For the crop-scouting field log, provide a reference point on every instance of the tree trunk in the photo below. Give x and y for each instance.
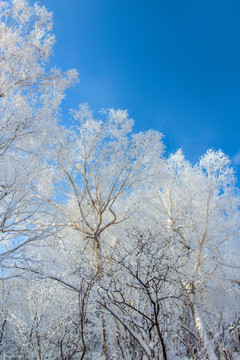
(106, 332)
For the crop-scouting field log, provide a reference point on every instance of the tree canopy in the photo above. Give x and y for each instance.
(108, 248)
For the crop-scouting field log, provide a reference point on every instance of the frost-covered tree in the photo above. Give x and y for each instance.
(30, 95)
(98, 166)
(199, 206)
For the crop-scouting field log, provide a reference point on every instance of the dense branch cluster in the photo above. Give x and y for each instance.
(108, 249)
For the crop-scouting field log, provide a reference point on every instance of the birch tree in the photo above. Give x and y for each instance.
(199, 205)
(98, 164)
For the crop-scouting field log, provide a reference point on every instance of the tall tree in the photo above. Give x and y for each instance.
(98, 166)
(199, 205)
(30, 95)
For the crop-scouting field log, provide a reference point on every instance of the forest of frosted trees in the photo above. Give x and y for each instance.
(108, 249)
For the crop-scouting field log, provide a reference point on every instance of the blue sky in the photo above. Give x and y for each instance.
(174, 64)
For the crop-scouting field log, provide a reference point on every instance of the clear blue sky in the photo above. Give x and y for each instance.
(174, 64)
